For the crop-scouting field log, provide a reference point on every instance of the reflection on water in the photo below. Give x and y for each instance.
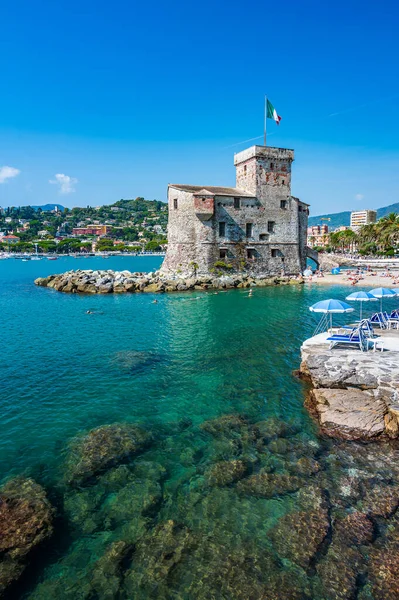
(213, 481)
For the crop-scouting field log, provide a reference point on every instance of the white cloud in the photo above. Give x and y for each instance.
(8, 173)
(359, 197)
(65, 182)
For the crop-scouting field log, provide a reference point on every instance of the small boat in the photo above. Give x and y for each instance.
(36, 258)
(52, 258)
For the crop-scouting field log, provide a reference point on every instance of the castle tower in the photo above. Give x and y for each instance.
(265, 172)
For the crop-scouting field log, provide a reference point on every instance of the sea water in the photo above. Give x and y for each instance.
(72, 363)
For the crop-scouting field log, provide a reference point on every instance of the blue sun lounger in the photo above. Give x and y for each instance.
(355, 338)
(365, 325)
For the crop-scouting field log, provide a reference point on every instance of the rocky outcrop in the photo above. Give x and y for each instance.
(102, 448)
(120, 282)
(26, 521)
(354, 393)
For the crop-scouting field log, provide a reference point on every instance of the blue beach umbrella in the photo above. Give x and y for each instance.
(382, 293)
(361, 297)
(331, 306)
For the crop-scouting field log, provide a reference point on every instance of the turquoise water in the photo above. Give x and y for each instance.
(168, 367)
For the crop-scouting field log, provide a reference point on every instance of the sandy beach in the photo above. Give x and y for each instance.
(365, 280)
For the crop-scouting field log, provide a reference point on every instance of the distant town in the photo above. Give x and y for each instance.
(364, 236)
(136, 225)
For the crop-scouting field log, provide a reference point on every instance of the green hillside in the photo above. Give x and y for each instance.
(344, 218)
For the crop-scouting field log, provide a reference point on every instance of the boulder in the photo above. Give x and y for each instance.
(226, 472)
(298, 536)
(349, 413)
(266, 485)
(26, 521)
(103, 448)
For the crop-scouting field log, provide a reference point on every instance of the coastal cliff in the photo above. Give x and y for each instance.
(119, 282)
(353, 394)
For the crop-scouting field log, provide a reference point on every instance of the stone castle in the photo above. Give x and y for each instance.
(256, 227)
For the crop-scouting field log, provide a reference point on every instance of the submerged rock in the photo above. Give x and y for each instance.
(267, 485)
(380, 501)
(298, 536)
(155, 557)
(224, 424)
(26, 520)
(102, 448)
(135, 361)
(338, 572)
(226, 472)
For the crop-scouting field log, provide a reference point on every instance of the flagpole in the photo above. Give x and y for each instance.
(265, 121)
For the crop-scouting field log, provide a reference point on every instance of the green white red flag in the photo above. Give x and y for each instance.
(272, 113)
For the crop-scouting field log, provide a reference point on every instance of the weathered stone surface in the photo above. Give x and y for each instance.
(351, 414)
(299, 535)
(355, 529)
(338, 572)
(26, 520)
(380, 501)
(102, 448)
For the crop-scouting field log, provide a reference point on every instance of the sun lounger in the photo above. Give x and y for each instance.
(379, 320)
(355, 338)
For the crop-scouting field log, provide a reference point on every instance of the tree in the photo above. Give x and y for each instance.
(153, 246)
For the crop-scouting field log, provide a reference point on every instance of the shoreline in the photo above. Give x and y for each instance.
(366, 280)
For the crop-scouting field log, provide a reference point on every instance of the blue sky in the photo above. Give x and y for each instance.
(116, 100)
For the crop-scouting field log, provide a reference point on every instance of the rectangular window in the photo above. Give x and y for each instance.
(237, 203)
(175, 203)
(264, 236)
(271, 166)
(283, 181)
(271, 225)
(222, 229)
(274, 253)
(222, 253)
(250, 253)
(249, 229)
(283, 203)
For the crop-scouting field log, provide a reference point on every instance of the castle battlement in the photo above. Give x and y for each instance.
(265, 152)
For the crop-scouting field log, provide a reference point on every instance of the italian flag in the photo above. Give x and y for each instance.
(272, 113)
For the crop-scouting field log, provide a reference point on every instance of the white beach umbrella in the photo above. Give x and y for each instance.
(361, 297)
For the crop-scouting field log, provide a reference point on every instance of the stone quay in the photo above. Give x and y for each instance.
(354, 394)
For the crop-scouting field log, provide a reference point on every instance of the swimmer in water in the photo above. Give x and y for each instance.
(155, 301)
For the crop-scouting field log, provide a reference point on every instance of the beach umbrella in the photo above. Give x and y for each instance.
(330, 307)
(382, 293)
(361, 297)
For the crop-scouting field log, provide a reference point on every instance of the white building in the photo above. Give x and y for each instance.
(362, 217)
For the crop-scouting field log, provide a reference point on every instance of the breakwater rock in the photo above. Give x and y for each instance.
(354, 394)
(119, 282)
(26, 521)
